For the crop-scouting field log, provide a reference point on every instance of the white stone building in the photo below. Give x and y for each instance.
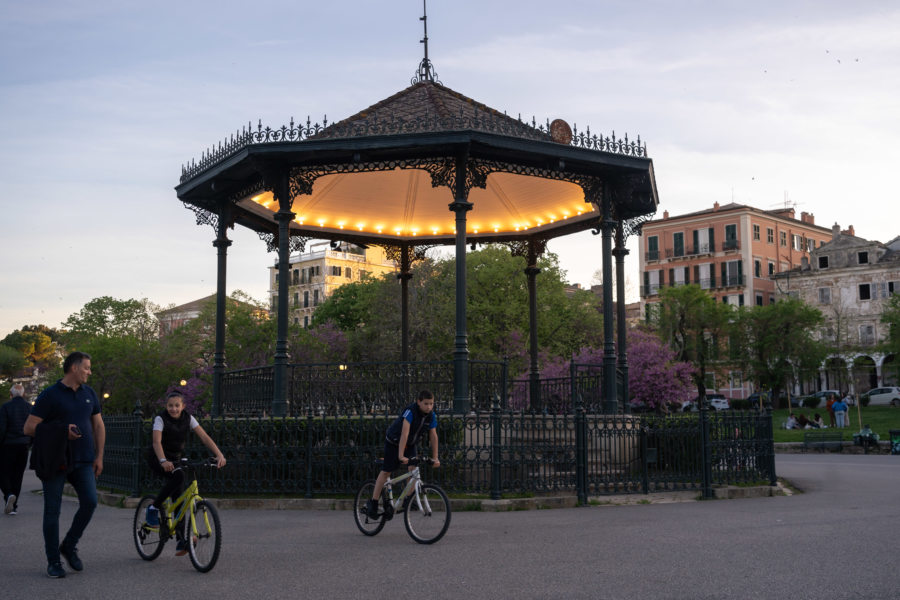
(849, 279)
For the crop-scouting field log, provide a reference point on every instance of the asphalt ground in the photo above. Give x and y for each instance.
(836, 539)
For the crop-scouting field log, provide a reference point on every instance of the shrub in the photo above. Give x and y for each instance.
(739, 404)
(811, 402)
(864, 400)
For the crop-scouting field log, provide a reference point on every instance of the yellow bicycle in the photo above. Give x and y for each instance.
(195, 518)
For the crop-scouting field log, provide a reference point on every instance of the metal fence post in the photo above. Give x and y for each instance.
(309, 450)
(137, 430)
(495, 449)
(705, 449)
(770, 443)
(580, 451)
(645, 460)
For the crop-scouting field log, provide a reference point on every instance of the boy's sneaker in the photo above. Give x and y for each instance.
(10, 505)
(372, 508)
(181, 548)
(152, 516)
(55, 570)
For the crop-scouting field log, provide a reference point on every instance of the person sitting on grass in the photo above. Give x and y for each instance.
(791, 422)
(170, 434)
(817, 421)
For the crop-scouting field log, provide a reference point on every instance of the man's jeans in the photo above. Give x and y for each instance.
(82, 479)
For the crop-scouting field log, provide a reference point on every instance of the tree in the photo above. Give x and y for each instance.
(655, 376)
(497, 311)
(694, 325)
(774, 342)
(36, 343)
(109, 317)
(11, 361)
(891, 318)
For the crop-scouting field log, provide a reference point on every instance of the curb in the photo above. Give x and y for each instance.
(478, 504)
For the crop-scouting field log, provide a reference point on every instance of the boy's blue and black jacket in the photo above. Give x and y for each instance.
(419, 425)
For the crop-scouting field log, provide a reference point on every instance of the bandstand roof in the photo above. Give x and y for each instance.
(383, 174)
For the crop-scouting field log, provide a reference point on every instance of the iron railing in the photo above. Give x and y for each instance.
(493, 452)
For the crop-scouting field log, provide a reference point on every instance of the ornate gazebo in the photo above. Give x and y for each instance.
(425, 167)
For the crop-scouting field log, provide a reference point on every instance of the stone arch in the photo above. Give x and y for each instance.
(836, 374)
(863, 373)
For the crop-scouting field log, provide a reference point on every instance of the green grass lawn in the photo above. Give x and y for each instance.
(879, 418)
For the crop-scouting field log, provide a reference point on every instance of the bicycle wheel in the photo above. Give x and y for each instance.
(204, 534)
(427, 522)
(147, 539)
(366, 524)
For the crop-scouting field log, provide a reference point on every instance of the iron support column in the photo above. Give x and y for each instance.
(620, 253)
(531, 271)
(608, 225)
(284, 216)
(221, 244)
(404, 276)
(460, 207)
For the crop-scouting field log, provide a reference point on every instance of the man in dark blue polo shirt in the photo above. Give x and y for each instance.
(69, 408)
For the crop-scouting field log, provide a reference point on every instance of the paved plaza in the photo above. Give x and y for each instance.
(834, 540)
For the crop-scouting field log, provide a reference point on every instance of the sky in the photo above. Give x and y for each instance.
(101, 103)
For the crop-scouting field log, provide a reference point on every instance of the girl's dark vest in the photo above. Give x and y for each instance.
(417, 429)
(175, 433)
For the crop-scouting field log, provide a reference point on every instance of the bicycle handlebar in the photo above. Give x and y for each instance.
(202, 462)
(413, 462)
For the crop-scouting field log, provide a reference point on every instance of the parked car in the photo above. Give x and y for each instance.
(716, 402)
(796, 401)
(883, 396)
(822, 397)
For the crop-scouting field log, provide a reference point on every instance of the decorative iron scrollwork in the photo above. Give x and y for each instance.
(296, 243)
(203, 216)
(532, 248)
(415, 254)
(635, 226)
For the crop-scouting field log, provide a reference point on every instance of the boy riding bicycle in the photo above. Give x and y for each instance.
(171, 428)
(415, 422)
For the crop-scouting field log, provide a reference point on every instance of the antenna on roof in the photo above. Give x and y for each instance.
(426, 69)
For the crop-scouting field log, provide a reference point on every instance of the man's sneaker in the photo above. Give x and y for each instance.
(372, 508)
(10, 505)
(55, 570)
(71, 556)
(152, 516)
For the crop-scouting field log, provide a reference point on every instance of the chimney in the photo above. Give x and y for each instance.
(715, 206)
(809, 218)
(849, 231)
(665, 214)
(835, 232)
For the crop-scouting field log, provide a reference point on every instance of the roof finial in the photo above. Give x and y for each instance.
(426, 69)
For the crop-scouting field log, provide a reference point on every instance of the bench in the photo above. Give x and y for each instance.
(820, 439)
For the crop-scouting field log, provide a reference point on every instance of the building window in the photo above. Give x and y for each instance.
(678, 242)
(810, 244)
(306, 299)
(865, 291)
(770, 235)
(704, 241)
(828, 334)
(867, 335)
(295, 279)
(893, 287)
(756, 232)
(823, 262)
(731, 273)
(797, 243)
(771, 299)
(335, 271)
(771, 268)
(315, 297)
(296, 320)
(305, 322)
(348, 273)
(757, 268)
(730, 238)
(759, 299)
(862, 258)
(782, 237)
(825, 295)
(296, 299)
(652, 248)
(737, 379)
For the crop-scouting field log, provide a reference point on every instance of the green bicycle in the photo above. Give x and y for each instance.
(195, 518)
(425, 506)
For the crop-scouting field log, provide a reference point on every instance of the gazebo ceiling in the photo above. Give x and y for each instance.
(386, 174)
(402, 203)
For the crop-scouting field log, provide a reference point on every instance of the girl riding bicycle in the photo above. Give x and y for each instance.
(170, 433)
(417, 420)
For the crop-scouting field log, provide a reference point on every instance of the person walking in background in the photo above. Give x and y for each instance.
(840, 412)
(829, 405)
(13, 447)
(69, 436)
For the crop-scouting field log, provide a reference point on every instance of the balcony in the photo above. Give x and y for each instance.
(731, 245)
(651, 255)
(731, 281)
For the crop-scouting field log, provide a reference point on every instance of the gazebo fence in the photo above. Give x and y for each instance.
(507, 443)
